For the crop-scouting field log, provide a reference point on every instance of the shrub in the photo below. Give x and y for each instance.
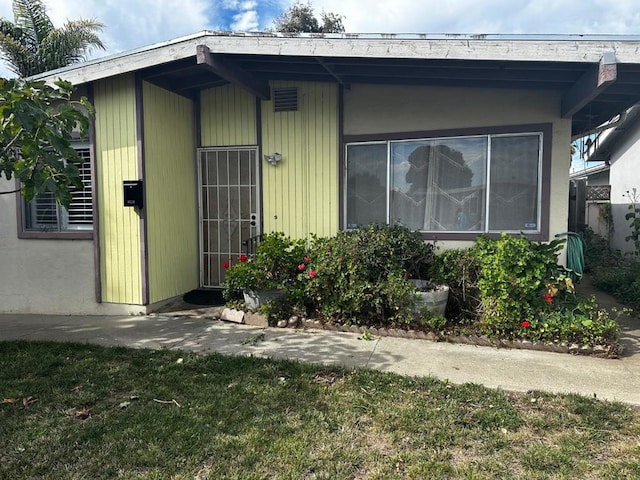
(460, 270)
(359, 276)
(612, 272)
(275, 265)
(513, 274)
(585, 323)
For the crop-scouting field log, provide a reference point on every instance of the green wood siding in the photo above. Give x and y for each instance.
(300, 194)
(117, 160)
(228, 117)
(170, 193)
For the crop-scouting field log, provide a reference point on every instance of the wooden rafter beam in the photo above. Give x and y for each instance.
(591, 84)
(232, 73)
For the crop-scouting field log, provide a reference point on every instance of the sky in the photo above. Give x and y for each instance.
(135, 23)
(131, 24)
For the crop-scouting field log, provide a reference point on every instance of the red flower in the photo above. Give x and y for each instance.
(302, 266)
(525, 324)
(548, 298)
(306, 259)
(225, 265)
(312, 274)
(242, 258)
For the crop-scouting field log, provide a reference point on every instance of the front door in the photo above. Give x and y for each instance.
(229, 208)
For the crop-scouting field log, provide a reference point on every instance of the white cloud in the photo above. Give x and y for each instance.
(245, 21)
(488, 16)
(137, 23)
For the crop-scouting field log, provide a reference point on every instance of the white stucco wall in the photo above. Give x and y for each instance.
(624, 175)
(46, 276)
(42, 276)
(370, 109)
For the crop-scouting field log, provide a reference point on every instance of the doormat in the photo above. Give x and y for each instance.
(201, 296)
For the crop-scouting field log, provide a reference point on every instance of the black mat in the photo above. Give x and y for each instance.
(204, 296)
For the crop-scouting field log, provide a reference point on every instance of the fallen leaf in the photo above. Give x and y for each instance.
(10, 400)
(83, 414)
(180, 360)
(26, 401)
(124, 404)
(77, 388)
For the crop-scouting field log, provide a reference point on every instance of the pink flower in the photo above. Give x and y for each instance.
(525, 324)
(312, 274)
(306, 259)
(225, 265)
(242, 258)
(302, 266)
(548, 298)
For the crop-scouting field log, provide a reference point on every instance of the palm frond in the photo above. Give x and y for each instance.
(69, 44)
(19, 58)
(31, 16)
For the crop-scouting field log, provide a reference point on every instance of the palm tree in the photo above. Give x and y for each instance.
(31, 44)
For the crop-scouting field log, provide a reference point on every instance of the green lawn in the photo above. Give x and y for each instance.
(78, 411)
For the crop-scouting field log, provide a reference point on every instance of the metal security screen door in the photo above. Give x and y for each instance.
(229, 208)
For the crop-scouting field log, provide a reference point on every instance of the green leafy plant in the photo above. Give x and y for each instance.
(38, 123)
(275, 266)
(633, 217)
(511, 284)
(584, 323)
(460, 270)
(360, 275)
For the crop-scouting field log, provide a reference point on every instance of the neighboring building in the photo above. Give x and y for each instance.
(609, 186)
(228, 136)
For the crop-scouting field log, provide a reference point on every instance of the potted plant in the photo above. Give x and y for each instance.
(267, 274)
(431, 296)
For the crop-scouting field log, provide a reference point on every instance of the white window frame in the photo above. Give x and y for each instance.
(486, 230)
(83, 199)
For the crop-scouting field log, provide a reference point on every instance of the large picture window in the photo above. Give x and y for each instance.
(467, 184)
(43, 214)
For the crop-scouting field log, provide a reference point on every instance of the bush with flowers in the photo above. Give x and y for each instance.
(361, 275)
(274, 266)
(508, 288)
(526, 294)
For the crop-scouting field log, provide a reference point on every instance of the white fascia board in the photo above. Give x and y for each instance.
(588, 171)
(345, 46)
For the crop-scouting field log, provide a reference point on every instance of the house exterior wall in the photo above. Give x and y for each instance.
(371, 109)
(227, 117)
(117, 160)
(40, 275)
(624, 175)
(170, 203)
(300, 195)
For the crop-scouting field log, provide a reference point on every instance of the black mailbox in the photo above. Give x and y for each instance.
(133, 193)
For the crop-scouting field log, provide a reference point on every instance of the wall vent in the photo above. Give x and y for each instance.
(285, 99)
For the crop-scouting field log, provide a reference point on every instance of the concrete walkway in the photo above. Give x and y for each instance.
(516, 370)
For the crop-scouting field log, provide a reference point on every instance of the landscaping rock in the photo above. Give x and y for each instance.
(256, 319)
(229, 315)
(281, 323)
(293, 321)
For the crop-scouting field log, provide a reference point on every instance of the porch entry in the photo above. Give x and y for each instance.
(228, 207)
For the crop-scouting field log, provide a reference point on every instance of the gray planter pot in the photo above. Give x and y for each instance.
(254, 299)
(434, 300)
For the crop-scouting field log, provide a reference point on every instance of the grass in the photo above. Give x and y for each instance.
(78, 411)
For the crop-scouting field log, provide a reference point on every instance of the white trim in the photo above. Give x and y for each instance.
(580, 49)
(486, 229)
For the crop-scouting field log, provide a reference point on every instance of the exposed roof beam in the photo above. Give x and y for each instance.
(231, 72)
(332, 73)
(591, 84)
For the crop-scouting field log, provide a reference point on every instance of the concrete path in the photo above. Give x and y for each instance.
(516, 370)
